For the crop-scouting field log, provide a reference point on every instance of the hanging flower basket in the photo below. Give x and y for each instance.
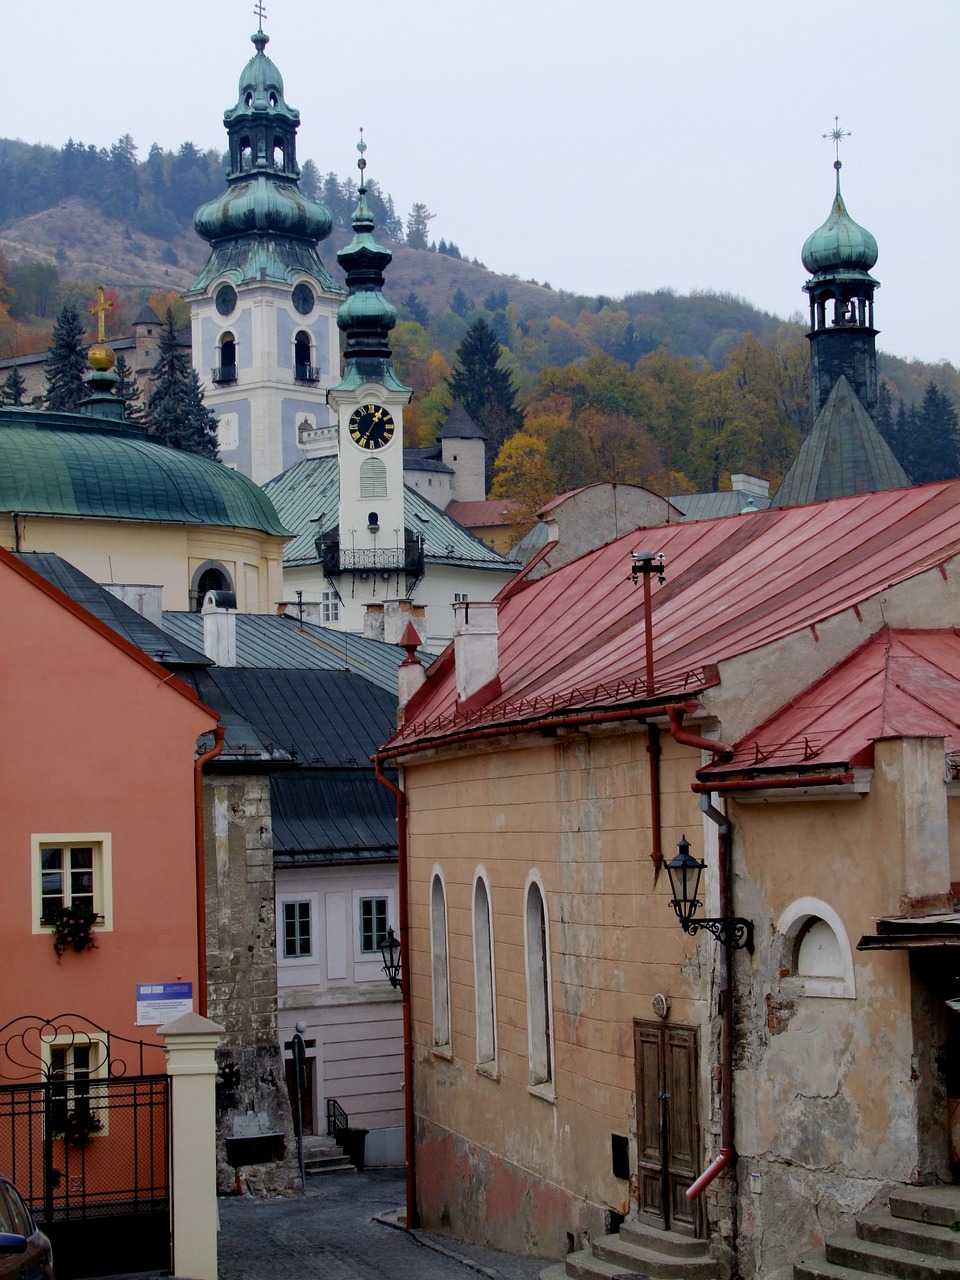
(72, 928)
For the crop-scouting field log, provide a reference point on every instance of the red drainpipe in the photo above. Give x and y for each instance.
(769, 784)
(201, 872)
(406, 982)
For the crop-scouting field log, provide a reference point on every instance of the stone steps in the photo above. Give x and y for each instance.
(323, 1155)
(917, 1238)
(637, 1250)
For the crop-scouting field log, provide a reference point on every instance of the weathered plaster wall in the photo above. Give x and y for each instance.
(242, 976)
(575, 811)
(834, 1094)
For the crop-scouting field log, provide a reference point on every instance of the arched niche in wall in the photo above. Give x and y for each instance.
(209, 576)
(815, 950)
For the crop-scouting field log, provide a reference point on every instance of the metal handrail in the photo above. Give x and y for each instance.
(337, 1118)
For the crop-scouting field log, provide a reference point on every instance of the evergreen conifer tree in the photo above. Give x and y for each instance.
(128, 390)
(485, 390)
(67, 364)
(935, 443)
(13, 387)
(177, 415)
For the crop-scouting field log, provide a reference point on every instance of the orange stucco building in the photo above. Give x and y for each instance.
(97, 793)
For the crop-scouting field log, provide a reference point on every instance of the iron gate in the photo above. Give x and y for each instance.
(85, 1136)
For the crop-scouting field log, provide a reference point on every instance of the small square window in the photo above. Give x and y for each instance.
(297, 931)
(373, 924)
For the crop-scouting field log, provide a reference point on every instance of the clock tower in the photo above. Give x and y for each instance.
(371, 546)
(263, 310)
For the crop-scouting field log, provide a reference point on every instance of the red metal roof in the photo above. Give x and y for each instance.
(490, 512)
(900, 684)
(733, 584)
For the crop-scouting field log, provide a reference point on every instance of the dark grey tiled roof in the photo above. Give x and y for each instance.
(428, 459)
(460, 426)
(332, 816)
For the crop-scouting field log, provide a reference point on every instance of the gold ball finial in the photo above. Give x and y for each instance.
(100, 358)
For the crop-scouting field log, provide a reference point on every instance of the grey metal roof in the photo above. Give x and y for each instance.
(843, 454)
(162, 646)
(460, 426)
(307, 498)
(269, 640)
(332, 816)
(707, 506)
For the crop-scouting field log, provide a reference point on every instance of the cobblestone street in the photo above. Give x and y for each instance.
(332, 1232)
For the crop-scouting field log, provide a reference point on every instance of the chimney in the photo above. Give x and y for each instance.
(373, 622)
(476, 649)
(410, 675)
(397, 616)
(147, 600)
(219, 614)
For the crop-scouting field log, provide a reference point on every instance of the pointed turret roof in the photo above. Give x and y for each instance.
(843, 454)
(460, 426)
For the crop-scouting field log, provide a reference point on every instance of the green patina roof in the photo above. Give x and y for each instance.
(841, 243)
(71, 465)
(307, 497)
(843, 454)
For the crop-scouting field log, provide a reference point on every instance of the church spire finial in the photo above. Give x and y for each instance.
(836, 135)
(260, 37)
(362, 163)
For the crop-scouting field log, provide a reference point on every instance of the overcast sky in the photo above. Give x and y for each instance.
(606, 146)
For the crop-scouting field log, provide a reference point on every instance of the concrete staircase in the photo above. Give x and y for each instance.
(916, 1238)
(322, 1155)
(637, 1250)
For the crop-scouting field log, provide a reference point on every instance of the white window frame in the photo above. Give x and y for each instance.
(369, 957)
(98, 1071)
(101, 843)
(329, 607)
(440, 963)
(791, 926)
(536, 951)
(282, 901)
(484, 974)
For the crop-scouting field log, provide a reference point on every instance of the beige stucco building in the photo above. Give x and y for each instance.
(577, 1058)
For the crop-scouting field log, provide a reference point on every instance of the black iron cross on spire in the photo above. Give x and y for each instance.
(260, 13)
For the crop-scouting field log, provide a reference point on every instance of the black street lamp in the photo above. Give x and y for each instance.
(685, 871)
(390, 950)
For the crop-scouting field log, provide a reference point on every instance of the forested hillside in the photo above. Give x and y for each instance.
(673, 391)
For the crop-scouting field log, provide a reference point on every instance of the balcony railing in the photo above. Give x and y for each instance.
(307, 373)
(406, 559)
(224, 373)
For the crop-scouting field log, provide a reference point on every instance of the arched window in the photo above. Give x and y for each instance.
(537, 954)
(246, 155)
(483, 973)
(439, 963)
(228, 359)
(373, 478)
(278, 153)
(815, 949)
(210, 576)
(304, 368)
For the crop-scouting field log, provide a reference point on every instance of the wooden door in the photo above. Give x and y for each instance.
(306, 1093)
(668, 1123)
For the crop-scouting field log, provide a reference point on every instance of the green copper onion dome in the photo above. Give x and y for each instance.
(366, 317)
(840, 244)
(263, 226)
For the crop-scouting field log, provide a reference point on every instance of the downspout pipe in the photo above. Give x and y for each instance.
(198, 764)
(727, 1150)
(405, 985)
(719, 750)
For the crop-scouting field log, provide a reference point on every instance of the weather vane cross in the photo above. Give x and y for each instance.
(837, 135)
(100, 309)
(260, 13)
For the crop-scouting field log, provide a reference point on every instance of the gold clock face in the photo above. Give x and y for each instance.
(371, 426)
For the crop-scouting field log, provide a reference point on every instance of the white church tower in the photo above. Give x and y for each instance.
(263, 310)
(370, 552)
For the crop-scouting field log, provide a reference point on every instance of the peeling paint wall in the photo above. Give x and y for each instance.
(242, 977)
(575, 811)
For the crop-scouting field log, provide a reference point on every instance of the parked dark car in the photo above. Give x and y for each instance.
(25, 1252)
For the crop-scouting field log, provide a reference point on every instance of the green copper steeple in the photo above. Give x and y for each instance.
(366, 317)
(263, 226)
